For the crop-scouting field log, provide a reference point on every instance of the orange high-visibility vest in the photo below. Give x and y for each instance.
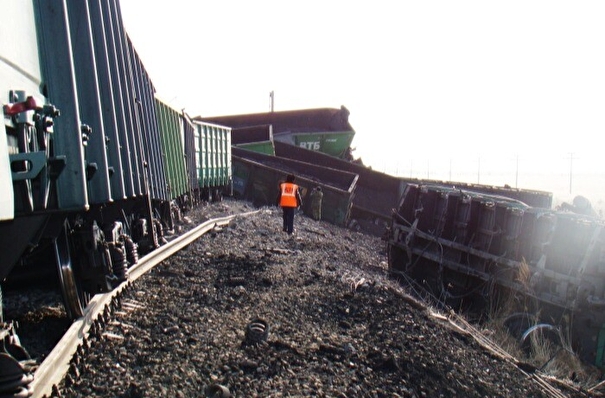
(288, 195)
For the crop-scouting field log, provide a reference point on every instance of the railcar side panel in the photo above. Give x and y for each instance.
(213, 159)
(60, 85)
(150, 129)
(7, 199)
(146, 128)
(119, 107)
(220, 157)
(171, 127)
(227, 156)
(214, 152)
(168, 166)
(198, 154)
(189, 135)
(212, 155)
(103, 48)
(126, 95)
(89, 101)
(203, 165)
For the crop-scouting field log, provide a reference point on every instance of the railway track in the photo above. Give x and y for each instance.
(56, 365)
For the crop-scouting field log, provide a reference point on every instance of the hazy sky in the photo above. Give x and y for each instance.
(490, 91)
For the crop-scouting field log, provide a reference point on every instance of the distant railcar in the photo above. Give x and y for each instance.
(324, 130)
(196, 157)
(213, 161)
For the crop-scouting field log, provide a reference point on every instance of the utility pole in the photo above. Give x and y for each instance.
(570, 170)
(517, 174)
(272, 96)
(428, 170)
(478, 169)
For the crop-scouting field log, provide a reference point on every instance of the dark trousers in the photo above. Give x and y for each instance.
(288, 219)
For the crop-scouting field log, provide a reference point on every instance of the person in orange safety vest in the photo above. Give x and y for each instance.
(289, 199)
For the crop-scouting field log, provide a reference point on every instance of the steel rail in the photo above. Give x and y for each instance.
(54, 368)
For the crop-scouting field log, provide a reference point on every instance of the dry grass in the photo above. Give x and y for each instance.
(554, 358)
(523, 275)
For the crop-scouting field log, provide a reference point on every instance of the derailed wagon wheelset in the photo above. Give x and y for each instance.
(533, 335)
(541, 334)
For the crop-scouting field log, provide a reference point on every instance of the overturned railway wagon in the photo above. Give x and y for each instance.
(322, 138)
(326, 130)
(467, 245)
(256, 177)
(377, 193)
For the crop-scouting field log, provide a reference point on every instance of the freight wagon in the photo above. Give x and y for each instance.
(325, 130)
(287, 135)
(92, 163)
(376, 193)
(548, 266)
(196, 157)
(212, 161)
(256, 177)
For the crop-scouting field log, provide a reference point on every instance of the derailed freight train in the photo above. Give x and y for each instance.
(93, 167)
(283, 139)
(462, 244)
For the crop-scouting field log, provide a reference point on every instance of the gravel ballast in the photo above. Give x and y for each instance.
(249, 311)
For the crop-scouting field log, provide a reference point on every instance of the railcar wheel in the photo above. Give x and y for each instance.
(519, 322)
(542, 336)
(75, 298)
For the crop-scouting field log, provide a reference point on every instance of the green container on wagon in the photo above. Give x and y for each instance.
(173, 148)
(334, 143)
(211, 155)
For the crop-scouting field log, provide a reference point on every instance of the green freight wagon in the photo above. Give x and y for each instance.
(213, 160)
(325, 130)
(170, 122)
